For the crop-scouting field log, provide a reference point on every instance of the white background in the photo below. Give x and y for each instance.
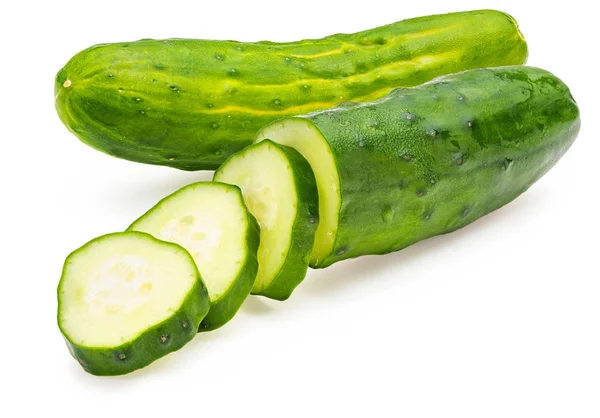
(500, 319)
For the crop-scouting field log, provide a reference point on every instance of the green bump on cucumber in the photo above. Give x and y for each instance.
(431, 159)
(210, 220)
(280, 191)
(127, 299)
(190, 103)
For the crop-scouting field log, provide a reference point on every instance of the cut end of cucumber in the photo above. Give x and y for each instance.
(304, 137)
(208, 220)
(119, 285)
(265, 177)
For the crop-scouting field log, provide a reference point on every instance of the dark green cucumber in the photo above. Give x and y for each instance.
(431, 159)
(127, 299)
(189, 104)
(211, 222)
(279, 189)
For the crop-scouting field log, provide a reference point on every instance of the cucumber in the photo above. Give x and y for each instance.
(190, 104)
(430, 159)
(127, 299)
(280, 191)
(212, 223)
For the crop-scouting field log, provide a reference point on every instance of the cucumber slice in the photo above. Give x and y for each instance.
(127, 299)
(280, 191)
(210, 220)
(303, 136)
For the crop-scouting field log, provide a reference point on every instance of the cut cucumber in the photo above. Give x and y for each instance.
(210, 220)
(280, 191)
(428, 160)
(127, 299)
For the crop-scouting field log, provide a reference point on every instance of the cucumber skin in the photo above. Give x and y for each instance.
(189, 104)
(148, 346)
(223, 310)
(403, 178)
(305, 224)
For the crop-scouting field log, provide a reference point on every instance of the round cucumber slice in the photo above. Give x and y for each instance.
(279, 189)
(303, 136)
(127, 299)
(212, 223)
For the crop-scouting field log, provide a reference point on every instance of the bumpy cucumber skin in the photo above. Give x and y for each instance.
(223, 309)
(226, 307)
(155, 342)
(305, 224)
(189, 104)
(431, 159)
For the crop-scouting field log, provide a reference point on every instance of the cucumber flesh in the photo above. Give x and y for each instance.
(304, 137)
(280, 191)
(126, 299)
(211, 222)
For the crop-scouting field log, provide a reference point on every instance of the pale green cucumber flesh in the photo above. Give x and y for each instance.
(211, 222)
(430, 159)
(280, 191)
(303, 136)
(127, 299)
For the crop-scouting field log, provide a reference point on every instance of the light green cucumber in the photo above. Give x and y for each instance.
(210, 220)
(280, 191)
(190, 103)
(127, 299)
(430, 159)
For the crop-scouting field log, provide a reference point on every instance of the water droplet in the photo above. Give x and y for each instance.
(219, 57)
(387, 214)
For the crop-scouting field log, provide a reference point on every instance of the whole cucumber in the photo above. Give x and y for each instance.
(189, 104)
